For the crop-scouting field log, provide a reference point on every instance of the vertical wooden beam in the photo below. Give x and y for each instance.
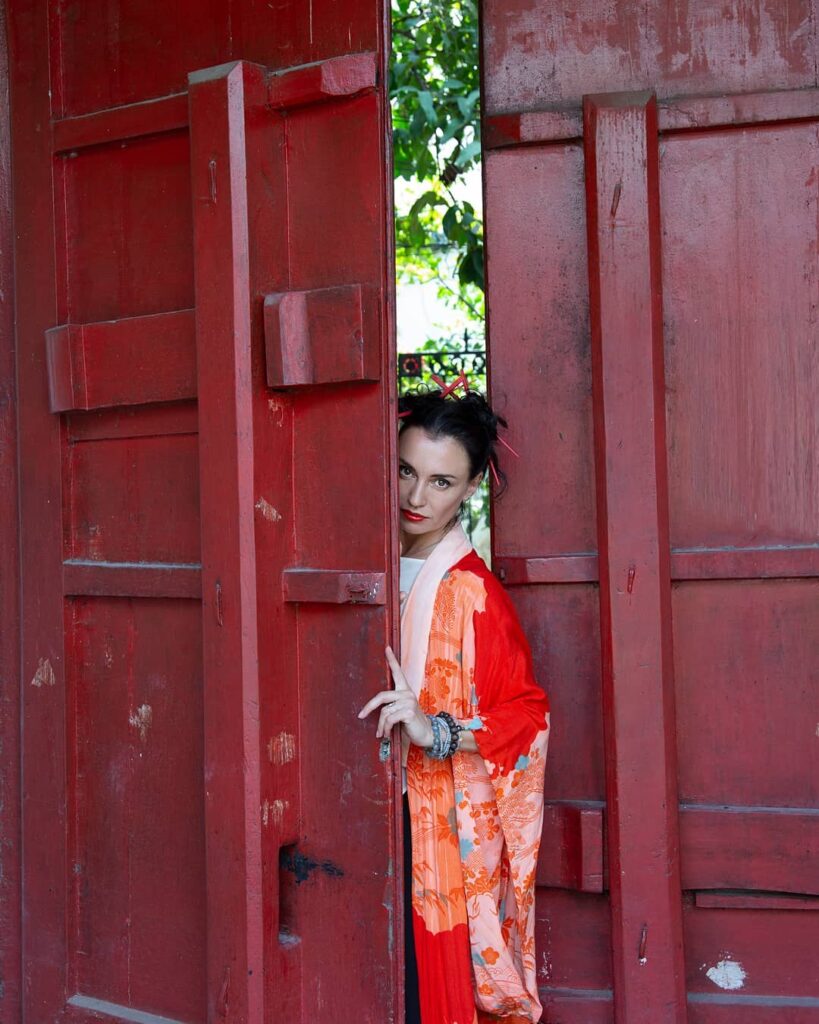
(218, 101)
(37, 185)
(10, 850)
(635, 589)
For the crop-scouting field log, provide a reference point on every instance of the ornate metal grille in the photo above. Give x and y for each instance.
(464, 353)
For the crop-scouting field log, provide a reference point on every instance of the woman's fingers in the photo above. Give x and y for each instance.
(385, 697)
(393, 714)
(398, 676)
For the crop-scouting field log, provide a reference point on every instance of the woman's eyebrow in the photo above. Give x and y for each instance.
(447, 476)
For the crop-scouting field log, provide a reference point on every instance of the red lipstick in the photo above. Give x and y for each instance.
(412, 516)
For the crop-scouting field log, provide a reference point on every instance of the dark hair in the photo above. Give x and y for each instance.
(468, 419)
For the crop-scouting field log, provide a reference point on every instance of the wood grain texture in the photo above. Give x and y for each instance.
(111, 498)
(130, 121)
(10, 780)
(736, 219)
(545, 56)
(219, 104)
(43, 732)
(324, 80)
(675, 114)
(325, 336)
(635, 577)
(135, 361)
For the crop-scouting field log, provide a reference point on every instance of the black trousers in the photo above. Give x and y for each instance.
(411, 1002)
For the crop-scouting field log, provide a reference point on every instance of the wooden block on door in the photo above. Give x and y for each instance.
(322, 336)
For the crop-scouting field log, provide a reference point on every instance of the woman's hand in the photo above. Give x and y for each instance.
(399, 705)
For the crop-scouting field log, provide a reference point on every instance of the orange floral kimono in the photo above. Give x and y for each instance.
(477, 817)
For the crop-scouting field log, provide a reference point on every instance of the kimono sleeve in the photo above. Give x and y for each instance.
(512, 709)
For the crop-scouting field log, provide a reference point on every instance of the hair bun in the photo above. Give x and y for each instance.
(468, 418)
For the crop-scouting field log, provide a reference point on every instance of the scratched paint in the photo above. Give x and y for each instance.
(141, 720)
(282, 748)
(273, 811)
(267, 511)
(277, 810)
(542, 54)
(727, 974)
(44, 674)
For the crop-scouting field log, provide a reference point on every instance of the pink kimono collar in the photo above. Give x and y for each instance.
(416, 616)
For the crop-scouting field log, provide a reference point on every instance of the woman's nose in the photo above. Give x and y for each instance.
(416, 495)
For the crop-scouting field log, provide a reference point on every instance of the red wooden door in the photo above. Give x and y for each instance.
(653, 294)
(203, 282)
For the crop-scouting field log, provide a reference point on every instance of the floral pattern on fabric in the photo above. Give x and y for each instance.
(477, 818)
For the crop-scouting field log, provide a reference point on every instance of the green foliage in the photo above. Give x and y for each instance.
(435, 92)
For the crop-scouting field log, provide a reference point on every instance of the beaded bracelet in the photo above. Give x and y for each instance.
(454, 732)
(446, 736)
(441, 739)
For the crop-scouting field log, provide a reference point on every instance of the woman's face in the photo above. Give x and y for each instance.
(433, 480)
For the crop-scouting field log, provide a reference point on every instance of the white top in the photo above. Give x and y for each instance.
(410, 567)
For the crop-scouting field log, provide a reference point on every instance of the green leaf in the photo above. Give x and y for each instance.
(468, 153)
(452, 129)
(429, 198)
(450, 222)
(428, 107)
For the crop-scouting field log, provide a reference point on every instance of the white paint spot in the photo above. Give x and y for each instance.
(282, 748)
(267, 511)
(817, 729)
(277, 809)
(44, 674)
(141, 720)
(273, 812)
(728, 975)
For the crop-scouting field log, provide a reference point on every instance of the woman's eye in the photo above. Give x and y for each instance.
(444, 484)
(404, 471)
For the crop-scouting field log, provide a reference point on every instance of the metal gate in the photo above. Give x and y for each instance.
(653, 288)
(203, 289)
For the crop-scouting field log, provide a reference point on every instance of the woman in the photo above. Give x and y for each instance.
(474, 729)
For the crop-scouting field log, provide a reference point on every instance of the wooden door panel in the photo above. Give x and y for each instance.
(741, 313)
(768, 950)
(106, 486)
(746, 655)
(136, 841)
(334, 219)
(130, 200)
(193, 693)
(111, 51)
(714, 211)
(567, 661)
(574, 940)
(541, 373)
